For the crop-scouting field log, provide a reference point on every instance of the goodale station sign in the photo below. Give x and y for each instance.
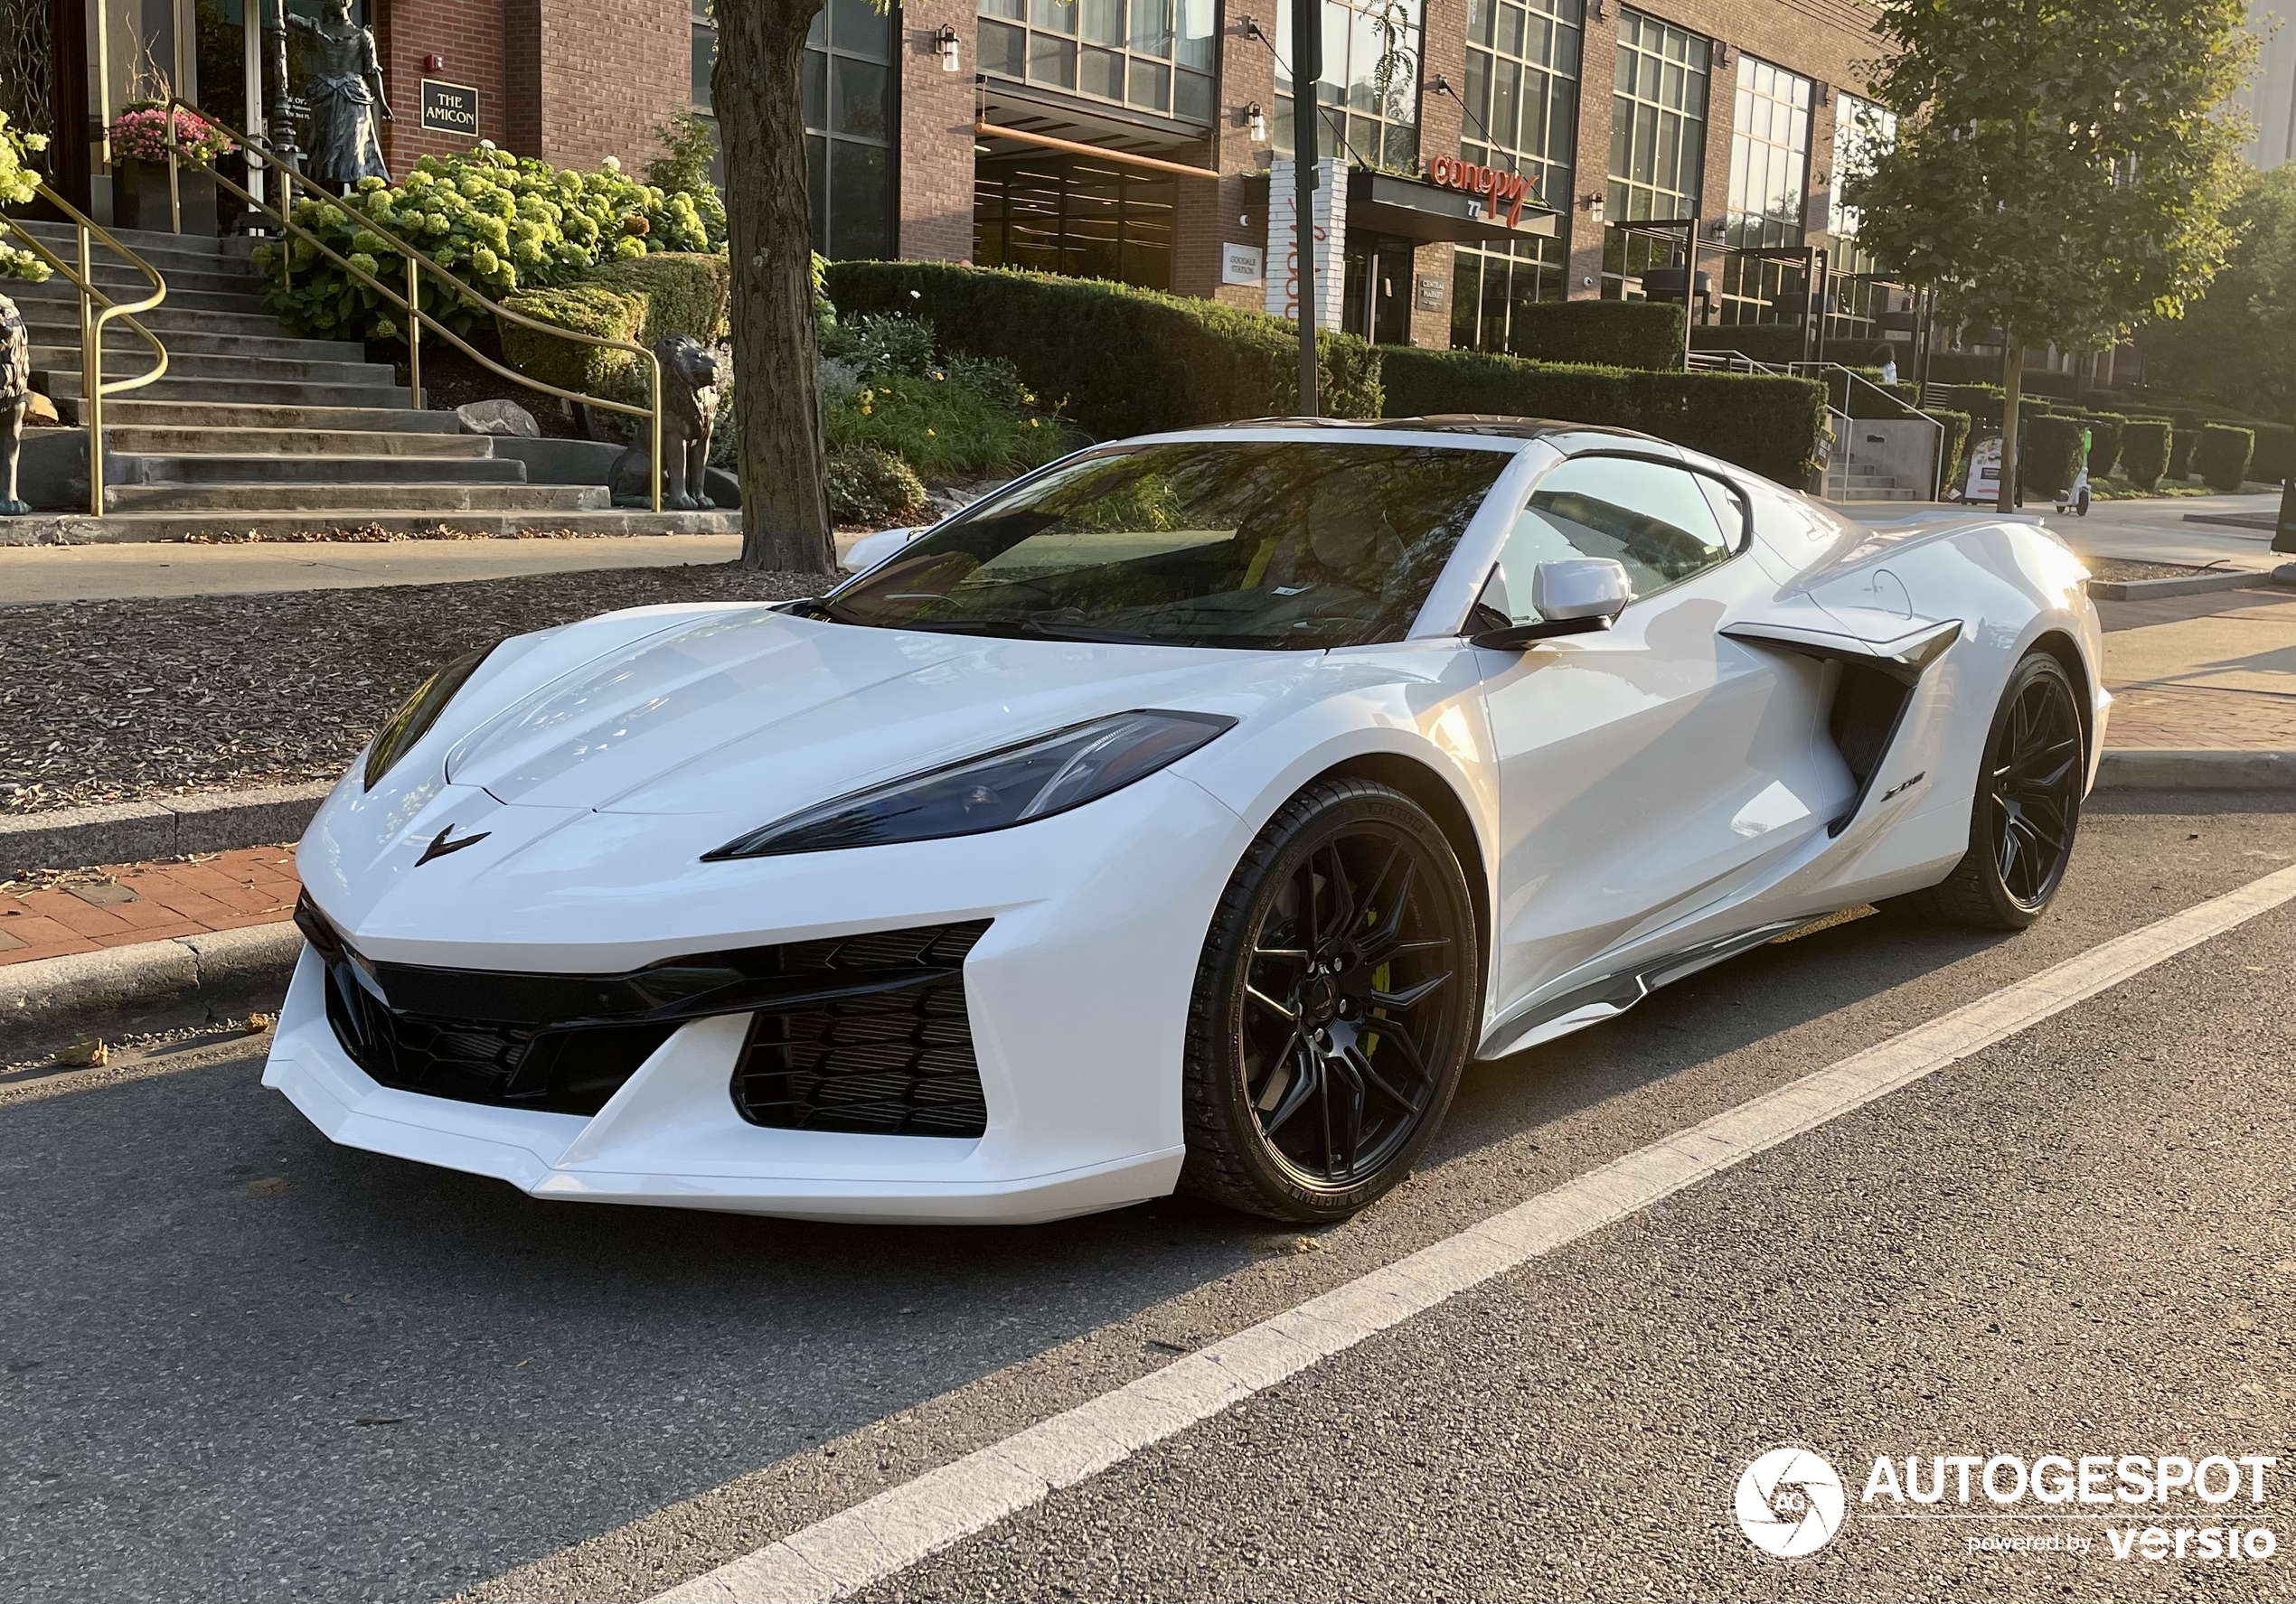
(450, 109)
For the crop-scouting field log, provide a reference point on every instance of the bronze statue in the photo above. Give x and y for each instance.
(689, 417)
(15, 399)
(345, 96)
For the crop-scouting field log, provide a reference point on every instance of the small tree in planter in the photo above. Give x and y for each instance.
(139, 169)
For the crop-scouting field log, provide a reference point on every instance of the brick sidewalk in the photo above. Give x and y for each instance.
(83, 910)
(2210, 671)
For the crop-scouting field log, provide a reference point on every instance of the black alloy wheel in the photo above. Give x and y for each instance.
(2028, 807)
(1333, 1008)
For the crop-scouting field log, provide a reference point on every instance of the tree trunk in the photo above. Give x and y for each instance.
(2012, 384)
(784, 509)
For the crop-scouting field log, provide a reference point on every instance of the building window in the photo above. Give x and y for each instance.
(1073, 215)
(705, 62)
(1769, 184)
(1153, 55)
(1658, 144)
(1369, 94)
(1521, 116)
(849, 128)
(1862, 130)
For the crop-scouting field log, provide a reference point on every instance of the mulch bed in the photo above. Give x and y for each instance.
(2120, 570)
(123, 700)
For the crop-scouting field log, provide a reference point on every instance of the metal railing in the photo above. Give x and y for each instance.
(1737, 362)
(97, 313)
(410, 301)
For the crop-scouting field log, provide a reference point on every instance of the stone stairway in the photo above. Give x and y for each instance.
(1848, 481)
(256, 429)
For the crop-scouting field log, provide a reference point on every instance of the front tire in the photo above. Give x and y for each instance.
(2027, 808)
(1334, 1006)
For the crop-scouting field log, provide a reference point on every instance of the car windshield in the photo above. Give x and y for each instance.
(1282, 544)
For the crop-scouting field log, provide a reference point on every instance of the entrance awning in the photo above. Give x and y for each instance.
(1413, 208)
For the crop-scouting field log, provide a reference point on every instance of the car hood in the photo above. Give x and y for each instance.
(754, 713)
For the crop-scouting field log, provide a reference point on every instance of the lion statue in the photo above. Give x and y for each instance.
(689, 417)
(16, 396)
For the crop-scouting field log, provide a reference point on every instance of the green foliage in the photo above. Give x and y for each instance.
(2238, 344)
(688, 150)
(1956, 444)
(868, 485)
(2061, 167)
(16, 189)
(2104, 441)
(2180, 448)
(1604, 334)
(1778, 343)
(685, 292)
(2052, 444)
(587, 309)
(1119, 360)
(2276, 453)
(873, 345)
(1982, 402)
(2221, 456)
(961, 416)
(1768, 423)
(497, 222)
(2145, 451)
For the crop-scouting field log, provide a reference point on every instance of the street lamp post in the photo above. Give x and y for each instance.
(1307, 69)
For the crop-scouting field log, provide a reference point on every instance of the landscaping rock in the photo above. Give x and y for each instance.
(498, 418)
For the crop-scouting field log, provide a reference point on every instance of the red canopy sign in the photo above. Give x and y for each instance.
(1491, 183)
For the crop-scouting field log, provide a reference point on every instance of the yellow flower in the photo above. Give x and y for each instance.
(928, 431)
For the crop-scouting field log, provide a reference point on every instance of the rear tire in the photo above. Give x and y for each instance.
(2027, 808)
(1334, 1006)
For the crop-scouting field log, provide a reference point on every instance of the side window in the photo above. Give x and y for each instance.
(1664, 524)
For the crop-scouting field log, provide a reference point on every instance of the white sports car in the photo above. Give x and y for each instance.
(1184, 815)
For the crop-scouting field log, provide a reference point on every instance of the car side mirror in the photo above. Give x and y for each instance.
(1572, 598)
(871, 550)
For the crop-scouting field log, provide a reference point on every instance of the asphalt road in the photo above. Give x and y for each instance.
(238, 1363)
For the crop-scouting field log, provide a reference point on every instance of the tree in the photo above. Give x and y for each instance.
(784, 507)
(2061, 168)
(2238, 344)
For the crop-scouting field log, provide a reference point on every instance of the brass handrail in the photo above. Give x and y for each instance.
(93, 387)
(410, 302)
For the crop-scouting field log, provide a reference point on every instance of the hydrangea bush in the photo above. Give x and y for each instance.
(17, 184)
(496, 222)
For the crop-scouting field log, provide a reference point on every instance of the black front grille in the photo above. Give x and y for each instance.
(894, 1063)
(854, 1034)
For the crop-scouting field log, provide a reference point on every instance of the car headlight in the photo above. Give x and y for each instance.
(417, 713)
(995, 791)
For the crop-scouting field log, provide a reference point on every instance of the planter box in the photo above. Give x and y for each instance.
(139, 197)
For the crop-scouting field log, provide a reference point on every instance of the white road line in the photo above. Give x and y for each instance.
(856, 1547)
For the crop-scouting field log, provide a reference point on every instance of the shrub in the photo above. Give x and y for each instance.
(1954, 447)
(497, 222)
(1117, 359)
(1982, 402)
(689, 151)
(884, 345)
(2221, 456)
(1963, 367)
(1607, 334)
(1765, 422)
(2275, 452)
(959, 417)
(587, 309)
(16, 189)
(2044, 381)
(2145, 451)
(2051, 445)
(685, 292)
(866, 485)
(2181, 444)
(2104, 441)
(1875, 399)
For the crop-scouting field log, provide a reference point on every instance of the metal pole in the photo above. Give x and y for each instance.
(414, 335)
(251, 79)
(92, 374)
(1307, 71)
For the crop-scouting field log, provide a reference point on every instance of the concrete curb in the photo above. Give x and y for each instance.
(2137, 590)
(136, 832)
(196, 974)
(2168, 769)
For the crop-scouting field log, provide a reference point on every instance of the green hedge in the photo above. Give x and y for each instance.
(1118, 361)
(1982, 402)
(1780, 342)
(2051, 445)
(2275, 453)
(2104, 441)
(2221, 457)
(2145, 451)
(685, 292)
(587, 309)
(1604, 334)
(1761, 421)
(1956, 444)
(2180, 446)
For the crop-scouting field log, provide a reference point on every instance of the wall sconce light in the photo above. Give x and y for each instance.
(944, 42)
(1593, 207)
(1256, 121)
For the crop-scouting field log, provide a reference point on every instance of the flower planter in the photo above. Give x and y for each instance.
(140, 197)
